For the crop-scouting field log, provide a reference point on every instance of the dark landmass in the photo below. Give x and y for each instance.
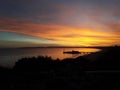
(97, 71)
(99, 47)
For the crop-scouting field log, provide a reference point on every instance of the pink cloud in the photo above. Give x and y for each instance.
(61, 34)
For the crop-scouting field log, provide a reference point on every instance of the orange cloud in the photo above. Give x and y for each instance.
(60, 34)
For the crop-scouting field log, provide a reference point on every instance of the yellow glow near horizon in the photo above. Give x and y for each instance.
(77, 37)
(65, 35)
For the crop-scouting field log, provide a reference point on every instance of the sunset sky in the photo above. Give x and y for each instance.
(36, 23)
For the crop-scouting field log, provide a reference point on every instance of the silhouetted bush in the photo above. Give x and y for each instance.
(109, 60)
(44, 73)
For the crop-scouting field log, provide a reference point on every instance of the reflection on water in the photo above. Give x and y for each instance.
(8, 57)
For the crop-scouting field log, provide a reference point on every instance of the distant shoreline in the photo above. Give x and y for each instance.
(100, 47)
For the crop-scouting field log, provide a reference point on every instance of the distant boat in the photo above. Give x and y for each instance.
(72, 52)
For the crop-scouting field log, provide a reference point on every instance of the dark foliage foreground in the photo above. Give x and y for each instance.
(43, 73)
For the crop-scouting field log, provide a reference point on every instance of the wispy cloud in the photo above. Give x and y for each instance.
(63, 22)
(63, 35)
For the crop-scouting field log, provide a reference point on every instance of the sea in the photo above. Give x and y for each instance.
(8, 57)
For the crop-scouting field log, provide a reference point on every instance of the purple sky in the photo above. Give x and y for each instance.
(27, 23)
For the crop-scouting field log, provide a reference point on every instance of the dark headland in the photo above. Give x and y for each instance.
(96, 71)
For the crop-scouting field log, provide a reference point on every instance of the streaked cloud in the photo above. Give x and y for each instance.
(59, 34)
(62, 22)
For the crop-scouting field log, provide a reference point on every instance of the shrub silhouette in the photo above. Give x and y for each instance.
(44, 73)
(109, 60)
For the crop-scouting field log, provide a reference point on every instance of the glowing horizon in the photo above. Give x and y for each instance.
(59, 23)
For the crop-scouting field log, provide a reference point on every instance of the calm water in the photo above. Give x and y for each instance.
(8, 57)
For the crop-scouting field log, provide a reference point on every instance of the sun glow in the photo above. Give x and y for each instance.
(63, 35)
